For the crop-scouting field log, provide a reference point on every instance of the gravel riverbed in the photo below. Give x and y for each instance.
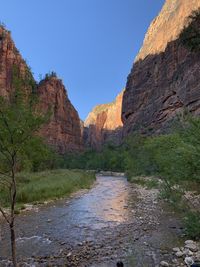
(113, 221)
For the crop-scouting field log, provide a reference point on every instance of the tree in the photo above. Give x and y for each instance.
(19, 121)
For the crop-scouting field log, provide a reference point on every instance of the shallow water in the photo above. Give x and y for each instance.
(70, 221)
(104, 218)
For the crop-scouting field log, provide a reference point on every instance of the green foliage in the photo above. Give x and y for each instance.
(50, 75)
(23, 83)
(149, 183)
(48, 185)
(192, 224)
(2, 25)
(110, 158)
(18, 124)
(190, 36)
(175, 158)
(38, 156)
(139, 159)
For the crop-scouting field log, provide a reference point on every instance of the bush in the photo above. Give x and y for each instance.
(175, 158)
(192, 224)
(111, 158)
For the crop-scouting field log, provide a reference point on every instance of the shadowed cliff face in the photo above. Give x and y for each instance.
(164, 79)
(104, 124)
(63, 132)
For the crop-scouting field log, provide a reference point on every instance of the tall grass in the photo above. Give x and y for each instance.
(48, 185)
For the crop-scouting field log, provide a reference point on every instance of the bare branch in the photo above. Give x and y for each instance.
(4, 215)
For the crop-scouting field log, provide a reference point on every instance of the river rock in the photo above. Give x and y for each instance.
(176, 249)
(189, 242)
(189, 261)
(69, 254)
(191, 247)
(164, 264)
(179, 254)
(187, 252)
(175, 261)
(197, 256)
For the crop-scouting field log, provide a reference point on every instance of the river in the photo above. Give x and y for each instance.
(112, 221)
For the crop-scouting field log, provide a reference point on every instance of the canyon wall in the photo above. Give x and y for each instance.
(164, 79)
(104, 125)
(10, 58)
(63, 131)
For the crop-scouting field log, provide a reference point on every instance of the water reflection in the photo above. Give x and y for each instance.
(72, 221)
(108, 200)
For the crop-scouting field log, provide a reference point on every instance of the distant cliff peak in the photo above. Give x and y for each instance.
(113, 110)
(167, 26)
(104, 124)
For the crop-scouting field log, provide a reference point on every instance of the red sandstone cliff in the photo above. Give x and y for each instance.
(104, 124)
(9, 59)
(164, 79)
(63, 131)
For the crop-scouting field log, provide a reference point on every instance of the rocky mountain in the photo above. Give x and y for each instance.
(104, 124)
(164, 79)
(9, 59)
(63, 130)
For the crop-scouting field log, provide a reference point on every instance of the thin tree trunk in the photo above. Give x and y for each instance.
(13, 201)
(13, 244)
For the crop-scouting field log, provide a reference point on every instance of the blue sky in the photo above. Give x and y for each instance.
(91, 44)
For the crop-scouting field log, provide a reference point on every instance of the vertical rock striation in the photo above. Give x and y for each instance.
(10, 59)
(164, 79)
(63, 131)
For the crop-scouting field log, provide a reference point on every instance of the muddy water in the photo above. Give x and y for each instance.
(110, 222)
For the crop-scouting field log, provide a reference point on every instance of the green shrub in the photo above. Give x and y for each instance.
(175, 158)
(192, 224)
(110, 158)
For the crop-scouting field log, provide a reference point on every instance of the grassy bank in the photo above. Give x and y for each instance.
(48, 185)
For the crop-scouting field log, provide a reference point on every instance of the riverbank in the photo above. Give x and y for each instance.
(114, 220)
(188, 252)
(40, 187)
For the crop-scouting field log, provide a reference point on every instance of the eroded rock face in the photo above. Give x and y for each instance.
(63, 132)
(104, 124)
(10, 58)
(164, 79)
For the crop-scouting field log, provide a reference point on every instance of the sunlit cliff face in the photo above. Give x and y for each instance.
(166, 27)
(111, 113)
